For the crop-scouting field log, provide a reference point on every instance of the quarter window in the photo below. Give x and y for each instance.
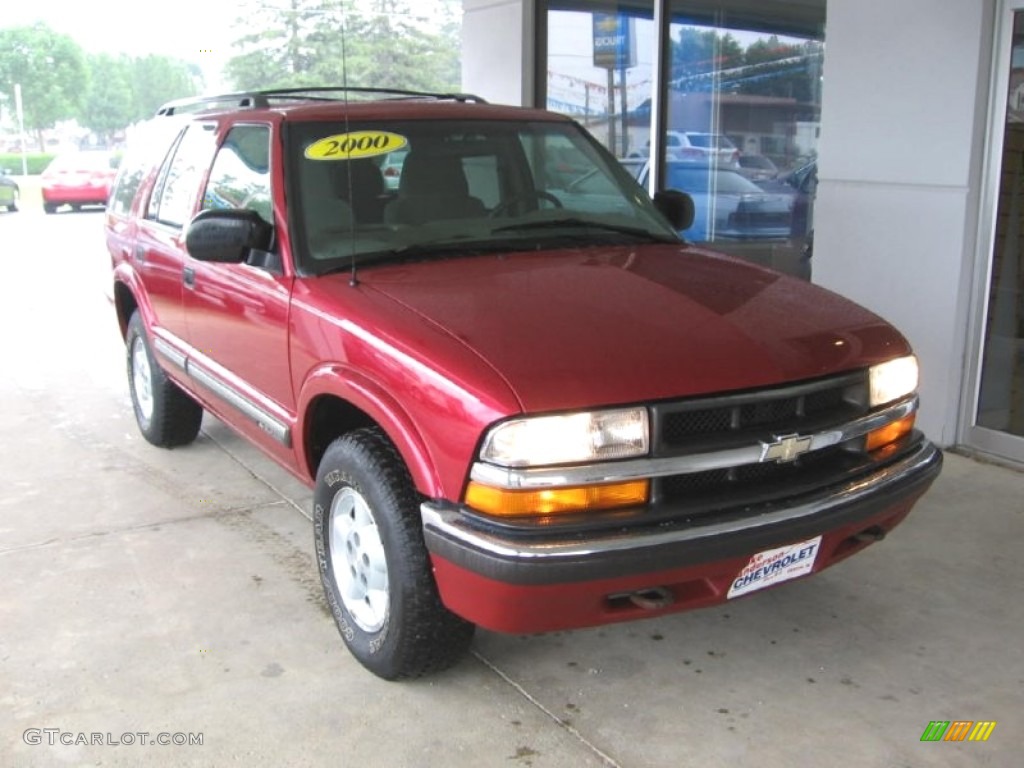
(174, 197)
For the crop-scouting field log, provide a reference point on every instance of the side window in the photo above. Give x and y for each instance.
(127, 185)
(240, 177)
(174, 195)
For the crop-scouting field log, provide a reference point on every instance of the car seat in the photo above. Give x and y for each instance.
(433, 187)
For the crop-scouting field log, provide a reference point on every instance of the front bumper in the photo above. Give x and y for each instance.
(515, 583)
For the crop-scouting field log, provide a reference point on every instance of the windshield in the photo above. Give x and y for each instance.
(435, 188)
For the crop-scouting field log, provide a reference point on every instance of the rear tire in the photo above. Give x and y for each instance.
(50, 207)
(167, 417)
(374, 565)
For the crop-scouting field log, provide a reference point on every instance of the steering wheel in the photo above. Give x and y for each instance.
(537, 194)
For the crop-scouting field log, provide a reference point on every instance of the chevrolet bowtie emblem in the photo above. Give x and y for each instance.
(785, 448)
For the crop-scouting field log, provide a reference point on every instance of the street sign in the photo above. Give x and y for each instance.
(614, 41)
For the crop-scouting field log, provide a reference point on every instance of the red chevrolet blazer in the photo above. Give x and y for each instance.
(522, 400)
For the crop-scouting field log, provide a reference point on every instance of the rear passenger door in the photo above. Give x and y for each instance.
(237, 314)
(159, 252)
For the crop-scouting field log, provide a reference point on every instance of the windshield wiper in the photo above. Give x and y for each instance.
(420, 250)
(589, 224)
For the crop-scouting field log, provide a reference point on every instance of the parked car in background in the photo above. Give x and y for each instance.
(801, 185)
(757, 167)
(706, 147)
(695, 147)
(78, 179)
(9, 191)
(391, 168)
(727, 206)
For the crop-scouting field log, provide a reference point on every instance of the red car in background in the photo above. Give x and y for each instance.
(77, 179)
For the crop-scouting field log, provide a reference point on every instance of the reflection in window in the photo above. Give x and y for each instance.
(1001, 395)
(174, 198)
(742, 93)
(749, 79)
(240, 177)
(600, 70)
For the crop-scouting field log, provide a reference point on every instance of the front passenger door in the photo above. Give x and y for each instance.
(237, 314)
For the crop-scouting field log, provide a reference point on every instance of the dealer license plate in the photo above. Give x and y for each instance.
(774, 566)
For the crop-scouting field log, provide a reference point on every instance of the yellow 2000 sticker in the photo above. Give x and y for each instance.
(355, 145)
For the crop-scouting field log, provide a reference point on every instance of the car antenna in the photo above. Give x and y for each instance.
(353, 279)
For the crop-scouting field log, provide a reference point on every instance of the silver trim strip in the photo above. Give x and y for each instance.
(447, 521)
(172, 355)
(637, 469)
(272, 426)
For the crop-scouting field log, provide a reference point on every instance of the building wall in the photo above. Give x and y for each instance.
(498, 50)
(902, 139)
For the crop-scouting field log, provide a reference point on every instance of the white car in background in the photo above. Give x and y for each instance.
(701, 147)
(695, 147)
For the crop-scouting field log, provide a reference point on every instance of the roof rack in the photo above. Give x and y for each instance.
(262, 99)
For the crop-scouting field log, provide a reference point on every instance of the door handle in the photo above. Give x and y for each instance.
(140, 254)
(188, 277)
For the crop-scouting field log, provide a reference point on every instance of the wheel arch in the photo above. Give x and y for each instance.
(129, 297)
(336, 401)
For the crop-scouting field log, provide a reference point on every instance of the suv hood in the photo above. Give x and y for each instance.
(606, 326)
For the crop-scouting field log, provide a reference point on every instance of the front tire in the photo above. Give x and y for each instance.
(166, 416)
(374, 565)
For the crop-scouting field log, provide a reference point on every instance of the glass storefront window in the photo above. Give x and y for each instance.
(742, 96)
(1001, 393)
(600, 69)
(744, 107)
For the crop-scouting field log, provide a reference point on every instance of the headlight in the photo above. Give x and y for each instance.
(893, 380)
(568, 439)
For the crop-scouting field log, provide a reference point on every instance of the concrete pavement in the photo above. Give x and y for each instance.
(175, 592)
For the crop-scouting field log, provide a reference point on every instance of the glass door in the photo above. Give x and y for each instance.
(996, 402)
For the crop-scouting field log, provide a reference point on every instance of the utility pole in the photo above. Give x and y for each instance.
(21, 127)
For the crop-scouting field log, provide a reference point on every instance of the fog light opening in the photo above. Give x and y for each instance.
(649, 599)
(874, 533)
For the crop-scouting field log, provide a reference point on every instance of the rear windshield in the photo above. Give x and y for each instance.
(710, 141)
(84, 161)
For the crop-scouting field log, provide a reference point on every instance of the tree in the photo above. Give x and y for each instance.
(123, 90)
(380, 43)
(51, 70)
(288, 46)
(109, 104)
(158, 79)
(699, 54)
(774, 68)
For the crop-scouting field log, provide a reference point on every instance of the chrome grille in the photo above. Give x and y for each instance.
(733, 421)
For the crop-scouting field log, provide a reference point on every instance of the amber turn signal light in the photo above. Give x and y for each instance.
(502, 502)
(890, 433)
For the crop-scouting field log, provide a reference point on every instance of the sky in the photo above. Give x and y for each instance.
(198, 31)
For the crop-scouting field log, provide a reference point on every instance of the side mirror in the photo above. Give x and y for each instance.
(675, 206)
(227, 236)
